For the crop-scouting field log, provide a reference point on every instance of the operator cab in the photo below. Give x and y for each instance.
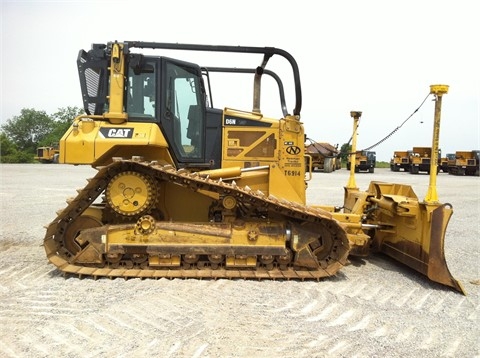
(172, 93)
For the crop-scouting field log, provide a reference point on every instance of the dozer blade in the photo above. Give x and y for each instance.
(437, 265)
(413, 231)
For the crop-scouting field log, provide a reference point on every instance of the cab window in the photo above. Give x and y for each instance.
(183, 110)
(141, 92)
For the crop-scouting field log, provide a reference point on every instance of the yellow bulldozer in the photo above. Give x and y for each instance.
(184, 189)
(48, 154)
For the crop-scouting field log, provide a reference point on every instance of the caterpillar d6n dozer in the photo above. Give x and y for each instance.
(187, 190)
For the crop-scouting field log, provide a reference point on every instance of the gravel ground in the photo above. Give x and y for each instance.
(372, 308)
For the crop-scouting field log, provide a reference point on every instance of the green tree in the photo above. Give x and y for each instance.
(23, 134)
(9, 152)
(344, 151)
(62, 120)
(28, 129)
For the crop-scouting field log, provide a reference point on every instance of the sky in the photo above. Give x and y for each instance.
(378, 57)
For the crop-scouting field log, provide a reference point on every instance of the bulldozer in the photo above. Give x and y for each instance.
(48, 154)
(187, 190)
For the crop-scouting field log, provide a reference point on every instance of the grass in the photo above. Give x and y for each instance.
(382, 165)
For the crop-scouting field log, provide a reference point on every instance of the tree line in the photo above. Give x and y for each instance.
(21, 135)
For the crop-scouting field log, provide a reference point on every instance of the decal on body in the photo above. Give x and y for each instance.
(116, 132)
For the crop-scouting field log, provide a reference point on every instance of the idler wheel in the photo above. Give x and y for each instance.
(72, 241)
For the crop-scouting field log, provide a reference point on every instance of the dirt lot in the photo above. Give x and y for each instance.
(373, 308)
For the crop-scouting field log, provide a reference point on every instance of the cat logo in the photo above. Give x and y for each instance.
(116, 132)
(293, 150)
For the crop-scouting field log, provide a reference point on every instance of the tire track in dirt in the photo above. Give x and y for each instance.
(365, 324)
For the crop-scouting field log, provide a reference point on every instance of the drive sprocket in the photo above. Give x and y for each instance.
(131, 193)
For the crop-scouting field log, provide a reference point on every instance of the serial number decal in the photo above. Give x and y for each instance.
(116, 132)
(288, 143)
(296, 164)
(292, 173)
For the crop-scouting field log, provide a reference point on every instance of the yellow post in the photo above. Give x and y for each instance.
(351, 180)
(438, 91)
(116, 112)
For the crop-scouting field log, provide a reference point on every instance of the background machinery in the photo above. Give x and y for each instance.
(400, 160)
(324, 156)
(365, 161)
(444, 161)
(48, 154)
(465, 163)
(184, 189)
(420, 159)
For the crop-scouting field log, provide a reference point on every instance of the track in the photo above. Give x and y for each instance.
(59, 252)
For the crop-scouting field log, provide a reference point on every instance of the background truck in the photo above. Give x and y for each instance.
(449, 158)
(465, 163)
(48, 154)
(420, 159)
(324, 156)
(400, 160)
(364, 161)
